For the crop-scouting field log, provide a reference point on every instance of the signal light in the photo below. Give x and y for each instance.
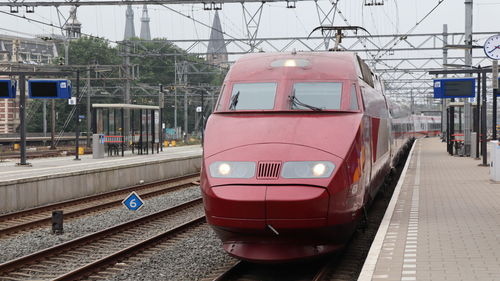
(7, 89)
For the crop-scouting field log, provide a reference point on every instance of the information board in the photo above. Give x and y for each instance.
(455, 88)
(7, 89)
(49, 89)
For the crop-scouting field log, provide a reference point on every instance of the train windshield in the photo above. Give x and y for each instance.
(252, 96)
(317, 95)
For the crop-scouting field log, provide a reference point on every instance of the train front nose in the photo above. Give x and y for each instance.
(262, 218)
(260, 206)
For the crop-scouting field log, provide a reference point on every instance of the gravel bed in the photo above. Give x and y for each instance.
(191, 258)
(36, 240)
(146, 231)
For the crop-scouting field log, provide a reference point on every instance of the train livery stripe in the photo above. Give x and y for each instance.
(375, 134)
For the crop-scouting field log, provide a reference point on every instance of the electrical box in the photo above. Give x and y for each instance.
(454, 88)
(7, 89)
(49, 89)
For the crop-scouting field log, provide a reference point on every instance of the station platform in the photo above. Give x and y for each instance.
(54, 179)
(443, 222)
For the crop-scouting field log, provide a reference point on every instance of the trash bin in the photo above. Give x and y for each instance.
(97, 146)
(495, 161)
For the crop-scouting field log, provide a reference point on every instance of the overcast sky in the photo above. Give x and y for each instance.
(395, 16)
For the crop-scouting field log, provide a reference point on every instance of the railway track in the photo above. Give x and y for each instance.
(100, 254)
(343, 266)
(12, 223)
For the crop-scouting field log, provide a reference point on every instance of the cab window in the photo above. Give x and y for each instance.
(252, 96)
(317, 95)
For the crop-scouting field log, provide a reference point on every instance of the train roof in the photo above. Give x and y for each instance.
(323, 65)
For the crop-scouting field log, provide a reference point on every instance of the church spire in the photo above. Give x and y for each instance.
(129, 24)
(145, 32)
(216, 51)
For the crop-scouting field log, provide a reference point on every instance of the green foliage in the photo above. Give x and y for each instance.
(157, 66)
(87, 50)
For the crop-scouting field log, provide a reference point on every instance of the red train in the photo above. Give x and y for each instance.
(297, 147)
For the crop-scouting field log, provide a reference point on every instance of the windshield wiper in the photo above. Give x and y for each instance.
(296, 103)
(234, 101)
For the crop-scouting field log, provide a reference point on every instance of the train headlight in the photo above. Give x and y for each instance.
(228, 169)
(224, 169)
(307, 169)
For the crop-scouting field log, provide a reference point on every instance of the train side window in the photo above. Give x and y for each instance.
(219, 98)
(354, 99)
(367, 73)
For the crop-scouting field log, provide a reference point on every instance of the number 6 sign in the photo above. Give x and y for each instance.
(133, 202)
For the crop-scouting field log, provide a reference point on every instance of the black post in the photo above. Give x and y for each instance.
(122, 130)
(140, 128)
(483, 123)
(147, 132)
(77, 113)
(132, 127)
(109, 121)
(494, 123)
(202, 116)
(94, 120)
(449, 143)
(459, 120)
(452, 128)
(57, 222)
(22, 117)
(152, 131)
(478, 110)
(161, 104)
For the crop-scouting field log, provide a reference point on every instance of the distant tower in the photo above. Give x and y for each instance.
(145, 33)
(216, 51)
(129, 24)
(73, 27)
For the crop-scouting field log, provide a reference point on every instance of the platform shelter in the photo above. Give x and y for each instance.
(143, 134)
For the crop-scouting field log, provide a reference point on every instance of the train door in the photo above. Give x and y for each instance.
(366, 151)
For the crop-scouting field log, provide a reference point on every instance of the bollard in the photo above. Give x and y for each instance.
(57, 222)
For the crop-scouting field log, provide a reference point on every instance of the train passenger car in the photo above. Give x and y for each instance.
(427, 125)
(295, 150)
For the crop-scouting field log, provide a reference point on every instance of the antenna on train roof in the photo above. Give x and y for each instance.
(338, 34)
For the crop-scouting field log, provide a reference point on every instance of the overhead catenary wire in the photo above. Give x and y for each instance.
(395, 41)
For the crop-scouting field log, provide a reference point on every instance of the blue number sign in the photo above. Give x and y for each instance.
(133, 202)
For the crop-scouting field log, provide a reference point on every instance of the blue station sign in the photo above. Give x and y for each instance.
(454, 88)
(49, 89)
(7, 89)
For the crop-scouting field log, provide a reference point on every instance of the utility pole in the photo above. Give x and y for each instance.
(126, 98)
(175, 93)
(22, 117)
(89, 114)
(468, 62)
(495, 90)
(53, 125)
(161, 103)
(185, 117)
(77, 113)
(44, 120)
(444, 103)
